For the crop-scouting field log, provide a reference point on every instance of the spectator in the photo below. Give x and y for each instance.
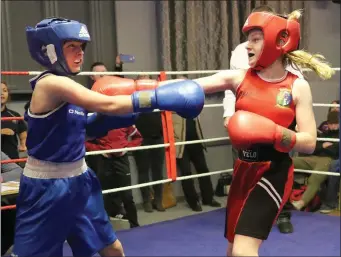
(11, 130)
(150, 160)
(112, 166)
(324, 125)
(114, 171)
(329, 202)
(9, 172)
(188, 130)
(100, 67)
(330, 199)
(93, 160)
(324, 154)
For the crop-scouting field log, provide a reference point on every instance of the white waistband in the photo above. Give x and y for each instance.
(35, 168)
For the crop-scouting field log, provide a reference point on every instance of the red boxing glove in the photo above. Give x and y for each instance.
(246, 129)
(112, 85)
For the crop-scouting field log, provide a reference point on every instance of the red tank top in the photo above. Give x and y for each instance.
(272, 100)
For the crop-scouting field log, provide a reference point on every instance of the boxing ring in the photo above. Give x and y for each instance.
(202, 234)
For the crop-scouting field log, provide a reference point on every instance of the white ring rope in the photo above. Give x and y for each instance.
(163, 181)
(315, 105)
(127, 149)
(204, 174)
(137, 148)
(193, 72)
(202, 141)
(328, 139)
(318, 172)
(221, 105)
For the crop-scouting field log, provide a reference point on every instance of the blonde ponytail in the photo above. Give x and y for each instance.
(314, 62)
(295, 15)
(304, 59)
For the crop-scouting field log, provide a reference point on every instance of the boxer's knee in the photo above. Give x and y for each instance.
(115, 249)
(245, 246)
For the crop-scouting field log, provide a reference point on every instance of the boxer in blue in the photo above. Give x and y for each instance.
(60, 197)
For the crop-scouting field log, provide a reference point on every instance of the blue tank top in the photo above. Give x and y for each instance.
(59, 135)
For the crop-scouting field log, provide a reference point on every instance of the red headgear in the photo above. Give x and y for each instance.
(280, 36)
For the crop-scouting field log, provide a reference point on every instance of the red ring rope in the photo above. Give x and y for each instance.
(8, 207)
(11, 118)
(13, 160)
(165, 136)
(15, 73)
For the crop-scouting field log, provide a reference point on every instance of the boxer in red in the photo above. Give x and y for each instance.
(270, 101)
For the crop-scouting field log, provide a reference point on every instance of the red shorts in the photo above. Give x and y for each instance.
(257, 194)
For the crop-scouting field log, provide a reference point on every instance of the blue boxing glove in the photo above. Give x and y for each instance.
(98, 125)
(186, 98)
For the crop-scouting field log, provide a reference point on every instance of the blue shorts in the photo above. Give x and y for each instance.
(50, 211)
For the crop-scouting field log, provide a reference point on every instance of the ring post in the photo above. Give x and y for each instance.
(168, 134)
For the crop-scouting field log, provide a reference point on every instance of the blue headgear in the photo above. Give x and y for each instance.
(45, 42)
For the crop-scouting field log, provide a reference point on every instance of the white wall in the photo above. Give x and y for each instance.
(325, 30)
(136, 33)
(325, 39)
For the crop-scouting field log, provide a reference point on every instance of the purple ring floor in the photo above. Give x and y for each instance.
(202, 235)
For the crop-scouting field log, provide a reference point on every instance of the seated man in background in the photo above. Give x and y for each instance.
(10, 171)
(113, 171)
(330, 199)
(11, 130)
(325, 152)
(324, 125)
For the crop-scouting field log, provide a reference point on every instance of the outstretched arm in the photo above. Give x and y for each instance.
(112, 95)
(65, 89)
(221, 81)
